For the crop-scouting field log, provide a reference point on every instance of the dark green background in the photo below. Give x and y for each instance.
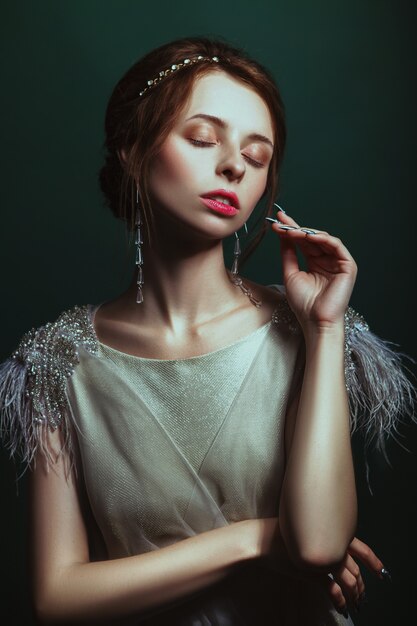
(347, 75)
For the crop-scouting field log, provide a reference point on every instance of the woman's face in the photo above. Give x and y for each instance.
(221, 142)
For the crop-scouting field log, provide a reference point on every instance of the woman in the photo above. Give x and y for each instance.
(190, 440)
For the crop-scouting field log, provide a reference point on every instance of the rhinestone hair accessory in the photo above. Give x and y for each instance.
(152, 82)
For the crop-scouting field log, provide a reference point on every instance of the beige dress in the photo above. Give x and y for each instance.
(173, 448)
(168, 449)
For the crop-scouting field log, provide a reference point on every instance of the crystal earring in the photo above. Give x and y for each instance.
(237, 251)
(235, 278)
(139, 256)
(236, 254)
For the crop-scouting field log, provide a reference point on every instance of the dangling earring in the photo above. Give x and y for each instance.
(235, 278)
(236, 253)
(139, 257)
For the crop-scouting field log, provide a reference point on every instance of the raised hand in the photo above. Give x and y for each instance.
(318, 296)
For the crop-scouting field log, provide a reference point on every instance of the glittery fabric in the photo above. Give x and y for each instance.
(193, 401)
(33, 382)
(354, 324)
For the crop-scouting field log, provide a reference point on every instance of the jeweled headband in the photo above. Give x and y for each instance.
(174, 68)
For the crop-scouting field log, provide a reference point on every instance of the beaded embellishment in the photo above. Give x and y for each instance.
(354, 324)
(152, 82)
(50, 354)
(283, 316)
(33, 381)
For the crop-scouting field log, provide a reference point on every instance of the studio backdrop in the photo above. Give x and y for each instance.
(347, 76)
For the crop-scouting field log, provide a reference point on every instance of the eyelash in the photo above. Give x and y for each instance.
(202, 144)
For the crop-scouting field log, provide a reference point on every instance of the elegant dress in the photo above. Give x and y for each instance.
(168, 449)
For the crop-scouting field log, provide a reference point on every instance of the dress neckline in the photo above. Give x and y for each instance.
(119, 353)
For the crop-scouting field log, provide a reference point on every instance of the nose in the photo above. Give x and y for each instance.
(231, 164)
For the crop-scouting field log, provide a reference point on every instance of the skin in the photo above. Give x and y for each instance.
(191, 307)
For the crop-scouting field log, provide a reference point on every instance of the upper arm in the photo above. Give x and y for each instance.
(58, 531)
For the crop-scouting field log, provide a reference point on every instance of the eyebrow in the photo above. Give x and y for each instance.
(222, 124)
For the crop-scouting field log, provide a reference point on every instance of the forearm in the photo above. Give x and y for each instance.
(318, 498)
(126, 586)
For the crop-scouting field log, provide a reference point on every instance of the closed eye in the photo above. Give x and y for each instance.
(253, 162)
(199, 142)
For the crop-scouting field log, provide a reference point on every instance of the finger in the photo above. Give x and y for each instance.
(327, 243)
(348, 582)
(287, 223)
(367, 556)
(353, 567)
(289, 259)
(337, 597)
(283, 228)
(330, 249)
(283, 217)
(287, 220)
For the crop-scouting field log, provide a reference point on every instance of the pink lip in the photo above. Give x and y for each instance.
(219, 207)
(230, 195)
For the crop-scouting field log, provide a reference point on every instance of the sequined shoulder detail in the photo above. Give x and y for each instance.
(33, 380)
(354, 324)
(380, 393)
(284, 317)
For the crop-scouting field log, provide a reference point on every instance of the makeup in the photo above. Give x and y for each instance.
(213, 200)
(220, 207)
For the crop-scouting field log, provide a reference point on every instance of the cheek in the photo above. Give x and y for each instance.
(257, 186)
(171, 166)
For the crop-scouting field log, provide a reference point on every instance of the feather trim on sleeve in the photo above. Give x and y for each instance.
(380, 393)
(33, 384)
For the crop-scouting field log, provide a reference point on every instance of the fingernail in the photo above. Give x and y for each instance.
(308, 231)
(280, 208)
(280, 224)
(386, 575)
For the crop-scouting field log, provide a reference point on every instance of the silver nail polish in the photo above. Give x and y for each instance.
(308, 231)
(386, 575)
(285, 227)
(271, 219)
(280, 208)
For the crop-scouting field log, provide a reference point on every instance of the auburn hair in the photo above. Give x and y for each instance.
(137, 126)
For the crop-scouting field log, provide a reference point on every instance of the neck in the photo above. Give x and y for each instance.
(185, 282)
